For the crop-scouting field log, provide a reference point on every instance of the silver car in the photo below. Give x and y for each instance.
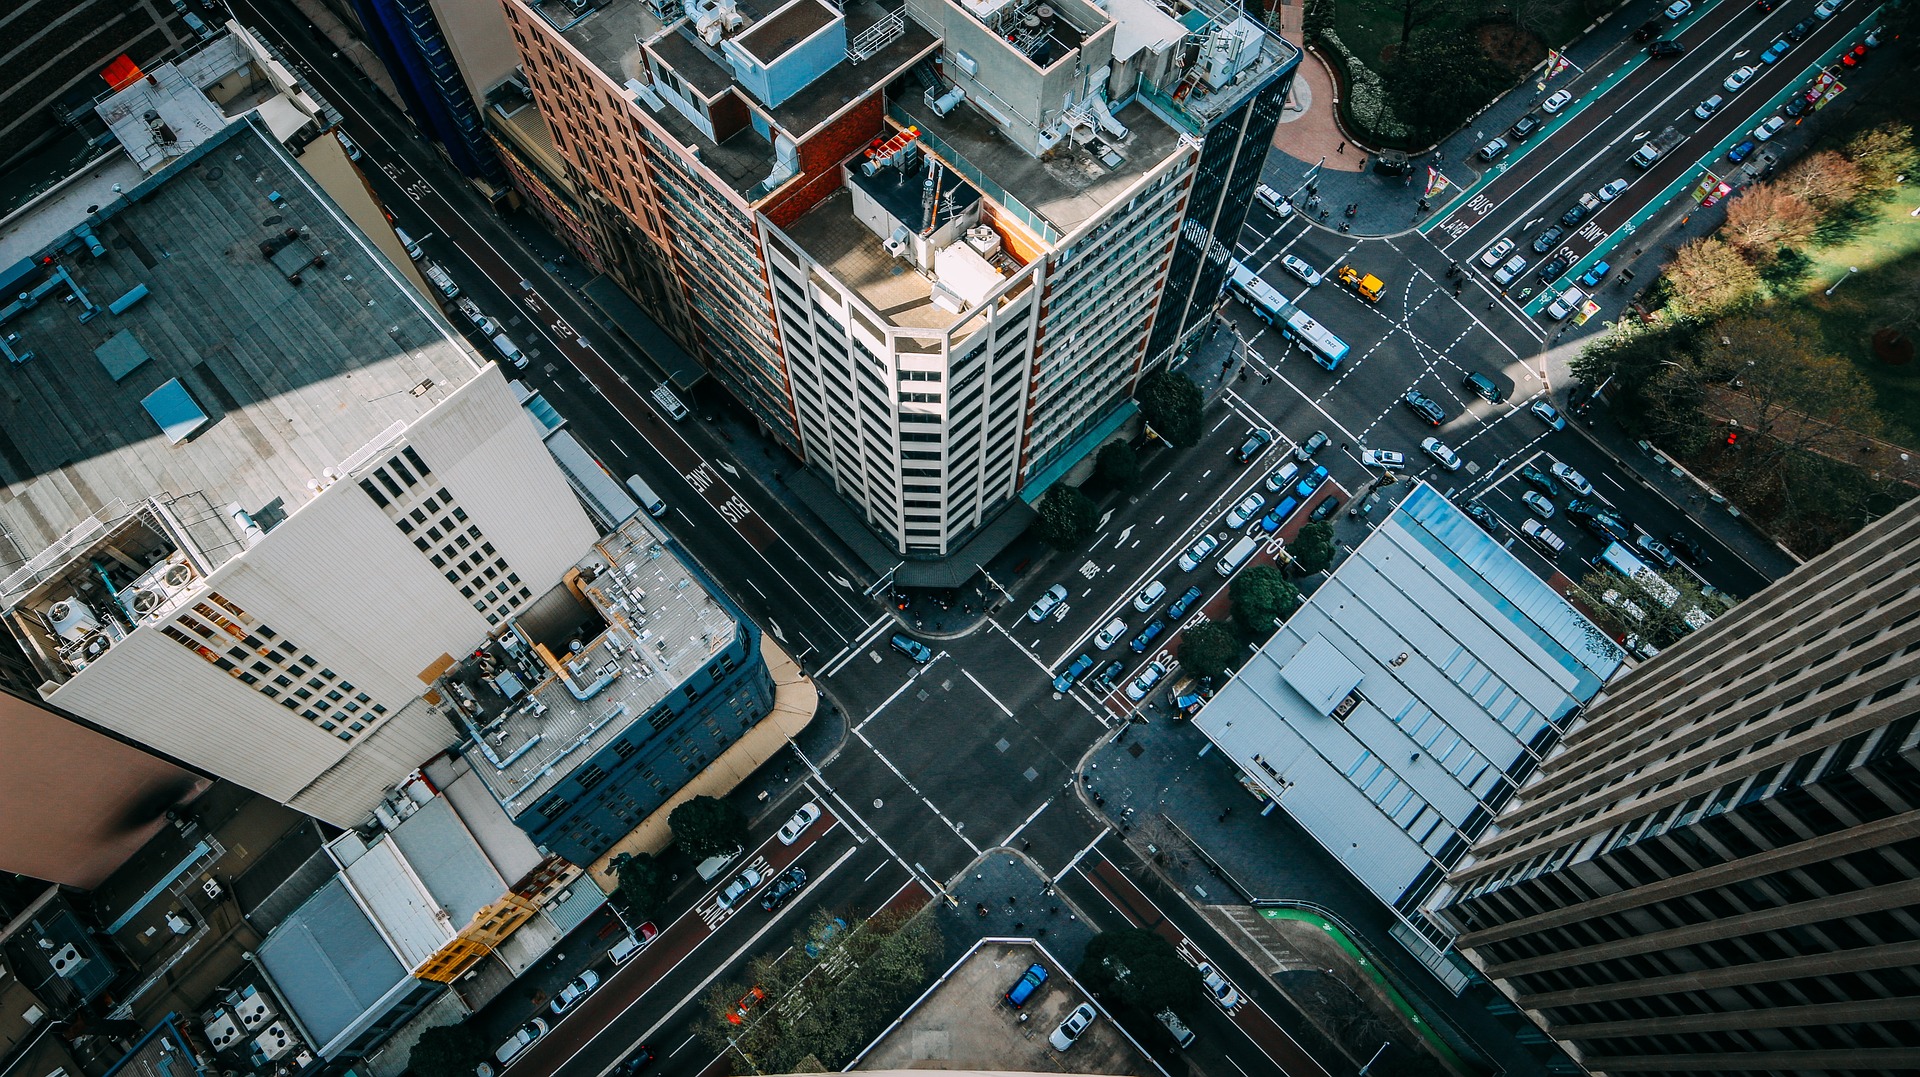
(1508, 273)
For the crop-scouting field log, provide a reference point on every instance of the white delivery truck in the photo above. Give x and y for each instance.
(1240, 553)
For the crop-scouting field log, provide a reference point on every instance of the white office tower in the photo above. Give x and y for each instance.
(259, 494)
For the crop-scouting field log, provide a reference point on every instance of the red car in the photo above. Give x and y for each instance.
(747, 1002)
(1854, 55)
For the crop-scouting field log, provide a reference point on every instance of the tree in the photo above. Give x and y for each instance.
(1118, 465)
(448, 1051)
(1173, 404)
(1708, 275)
(708, 826)
(1066, 517)
(643, 886)
(1823, 180)
(1262, 595)
(1660, 623)
(1211, 649)
(1883, 154)
(1312, 549)
(1415, 14)
(1442, 58)
(1765, 217)
(1138, 971)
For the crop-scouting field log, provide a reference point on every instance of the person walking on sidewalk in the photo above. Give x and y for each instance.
(1341, 148)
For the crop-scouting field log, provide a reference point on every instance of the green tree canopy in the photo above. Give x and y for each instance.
(708, 826)
(1648, 617)
(448, 1051)
(1312, 549)
(1211, 649)
(1261, 594)
(643, 886)
(1441, 57)
(1137, 970)
(1067, 517)
(1118, 465)
(1173, 405)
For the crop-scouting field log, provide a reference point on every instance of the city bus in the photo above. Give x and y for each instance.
(1293, 323)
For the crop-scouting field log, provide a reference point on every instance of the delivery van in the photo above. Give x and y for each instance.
(644, 494)
(1238, 555)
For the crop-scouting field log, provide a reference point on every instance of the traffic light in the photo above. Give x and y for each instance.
(1733, 437)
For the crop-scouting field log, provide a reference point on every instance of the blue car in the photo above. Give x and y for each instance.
(1182, 604)
(1776, 50)
(1146, 637)
(1741, 152)
(1279, 514)
(1072, 673)
(1311, 483)
(1595, 275)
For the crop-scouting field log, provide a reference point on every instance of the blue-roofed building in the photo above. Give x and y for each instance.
(1403, 704)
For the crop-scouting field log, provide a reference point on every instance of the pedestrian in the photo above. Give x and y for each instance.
(1017, 925)
(1266, 379)
(1489, 304)
(1346, 226)
(1229, 809)
(1243, 373)
(1343, 446)
(1053, 911)
(1363, 162)
(1341, 148)
(1323, 214)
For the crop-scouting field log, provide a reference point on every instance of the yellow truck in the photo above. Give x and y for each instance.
(1368, 285)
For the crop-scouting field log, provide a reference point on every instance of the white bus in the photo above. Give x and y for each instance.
(1294, 324)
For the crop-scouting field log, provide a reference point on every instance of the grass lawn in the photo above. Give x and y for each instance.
(1371, 28)
(1888, 248)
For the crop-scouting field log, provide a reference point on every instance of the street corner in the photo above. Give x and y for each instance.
(1003, 894)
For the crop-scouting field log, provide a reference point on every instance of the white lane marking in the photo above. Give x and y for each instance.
(983, 691)
(1007, 842)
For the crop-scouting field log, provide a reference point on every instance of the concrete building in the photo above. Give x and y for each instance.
(260, 487)
(925, 247)
(1716, 872)
(443, 55)
(1397, 711)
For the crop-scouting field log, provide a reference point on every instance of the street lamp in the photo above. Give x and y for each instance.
(1851, 270)
(1375, 1058)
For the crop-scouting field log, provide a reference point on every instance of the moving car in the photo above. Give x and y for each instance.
(1506, 274)
(1551, 270)
(1111, 633)
(1678, 9)
(1656, 550)
(1549, 414)
(1708, 107)
(1825, 9)
(798, 823)
(1768, 128)
(1566, 303)
(1546, 240)
(1686, 548)
(1484, 387)
(1776, 50)
(1603, 522)
(1494, 150)
(785, 885)
(1275, 202)
(1147, 635)
(1279, 477)
(1799, 30)
(1424, 406)
(1649, 30)
(1612, 190)
(1542, 538)
(1741, 152)
(641, 1058)
(1557, 101)
(1071, 1028)
(1384, 459)
(739, 888)
(1441, 454)
(1247, 509)
(1540, 480)
(1299, 268)
(577, 988)
(1182, 604)
(1218, 989)
(1738, 79)
(1661, 50)
(1538, 504)
(1573, 479)
(1072, 673)
(1198, 553)
(745, 1004)
(1256, 441)
(1046, 603)
(1579, 210)
(1144, 683)
(912, 648)
(1316, 441)
(1492, 255)
(1148, 595)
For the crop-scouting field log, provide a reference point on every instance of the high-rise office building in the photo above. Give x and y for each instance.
(443, 56)
(1719, 871)
(925, 246)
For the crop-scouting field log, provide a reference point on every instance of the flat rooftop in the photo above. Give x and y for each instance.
(644, 623)
(963, 1023)
(229, 380)
(612, 38)
(1067, 188)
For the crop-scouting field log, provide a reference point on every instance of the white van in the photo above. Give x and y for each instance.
(411, 244)
(712, 866)
(1538, 534)
(669, 403)
(1240, 554)
(509, 351)
(1182, 1035)
(440, 280)
(644, 494)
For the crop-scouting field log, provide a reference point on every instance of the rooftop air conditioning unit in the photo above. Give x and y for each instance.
(273, 1043)
(251, 1008)
(72, 620)
(67, 962)
(222, 1030)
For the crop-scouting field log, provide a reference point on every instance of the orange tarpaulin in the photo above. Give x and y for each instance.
(122, 72)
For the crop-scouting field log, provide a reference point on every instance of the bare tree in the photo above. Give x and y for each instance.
(1787, 395)
(1764, 218)
(1884, 154)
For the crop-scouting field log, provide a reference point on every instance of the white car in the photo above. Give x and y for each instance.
(353, 151)
(1384, 459)
(1307, 274)
(1198, 553)
(1283, 476)
(1492, 255)
(1070, 1029)
(1826, 8)
(1612, 190)
(576, 989)
(1708, 107)
(1549, 414)
(1222, 992)
(1538, 502)
(1111, 634)
(1441, 454)
(741, 885)
(1575, 481)
(1054, 596)
(791, 830)
(1556, 102)
(1738, 79)
(1148, 595)
(1768, 128)
(1144, 683)
(1274, 201)
(1678, 9)
(1247, 509)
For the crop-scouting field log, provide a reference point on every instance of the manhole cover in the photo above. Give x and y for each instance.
(1031, 774)
(1003, 744)
(1135, 750)
(922, 695)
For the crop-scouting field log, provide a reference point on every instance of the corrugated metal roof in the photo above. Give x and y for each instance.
(446, 858)
(411, 917)
(329, 962)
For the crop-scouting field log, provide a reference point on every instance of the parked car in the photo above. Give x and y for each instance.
(1046, 603)
(1739, 78)
(1144, 640)
(741, 885)
(1182, 604)
(1572, 479)
(1198, 553)
(1328, 505)
(1524, 128)
(1708, 107)
(1492, 255)
(1649, 30)
(1070, 1029)
(798, 823)
(1072, 673)
(1558, 100)
(575, 990)
(1595, 274)
(1112, 672)
(1110, 634)
(1612, 190)
(1507, 273)
(1384, 459)
(353, 151)
(1316, 441)
(1662, 50)
(1796, 106)
(522, 1038)
(1484, 387)
(1547, 413)
(1248, 507)
(1301, 269)
(1255, 442)
(1768, 128)
(1546, 240)
(1551, 270)
(1441, 454)
(1853, 56)
(785, 885)
(744, 1005)
(1741, 152)
(1144, 683)
(1218, 989)
(1540, 480)
(1150, 594)
(912, 648)
(1279, 478)
(1484, 516)
(1678, 9)
(1424, 406)
(1538, 504)
(1494, 150)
